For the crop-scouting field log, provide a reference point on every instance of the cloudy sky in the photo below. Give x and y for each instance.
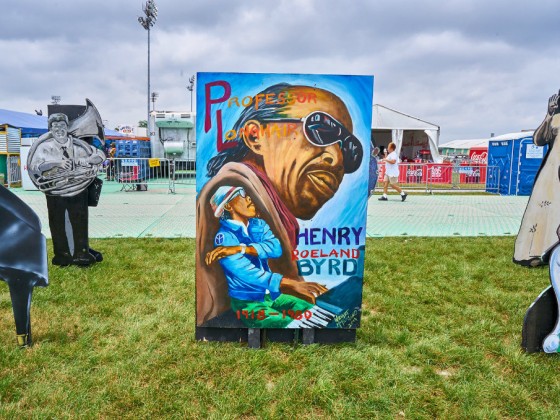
(472, 67)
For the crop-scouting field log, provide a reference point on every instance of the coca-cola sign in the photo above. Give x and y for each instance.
(436, 172)
(479, 158)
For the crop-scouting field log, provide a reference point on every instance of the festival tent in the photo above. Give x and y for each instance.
(31, 125)
(462, 147)
(412, 135)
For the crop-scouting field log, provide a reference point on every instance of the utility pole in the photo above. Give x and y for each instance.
(150, 10)
(190, 87)
(155, 95)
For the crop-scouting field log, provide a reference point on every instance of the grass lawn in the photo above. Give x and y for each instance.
(440, 337)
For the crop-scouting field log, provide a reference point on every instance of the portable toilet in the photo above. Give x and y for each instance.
(517, 159)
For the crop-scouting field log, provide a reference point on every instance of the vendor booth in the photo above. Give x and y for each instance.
(416, 139)
(473, 149)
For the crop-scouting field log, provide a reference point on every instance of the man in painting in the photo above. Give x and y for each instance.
(244, 243)
(290, 157)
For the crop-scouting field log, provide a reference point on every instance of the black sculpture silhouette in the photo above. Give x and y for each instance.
(23, 258)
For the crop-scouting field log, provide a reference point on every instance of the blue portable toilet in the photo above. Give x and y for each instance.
(517, 159)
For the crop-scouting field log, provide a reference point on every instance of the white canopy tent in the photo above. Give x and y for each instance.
(410, 134)
(462, 147)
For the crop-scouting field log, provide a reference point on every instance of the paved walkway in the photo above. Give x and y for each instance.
(446, 215)
(156, 213)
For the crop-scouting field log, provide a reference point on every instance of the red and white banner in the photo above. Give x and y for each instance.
(479, 155)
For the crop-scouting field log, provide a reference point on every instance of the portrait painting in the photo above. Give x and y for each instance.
(282, 189)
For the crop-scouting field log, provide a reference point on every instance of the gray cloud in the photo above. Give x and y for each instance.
(472, 67)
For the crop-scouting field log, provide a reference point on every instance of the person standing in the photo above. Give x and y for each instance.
(373, 171)
(392, 173)
(111, 167)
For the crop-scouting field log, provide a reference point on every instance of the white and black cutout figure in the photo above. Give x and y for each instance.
(538, 240)
(64, 166)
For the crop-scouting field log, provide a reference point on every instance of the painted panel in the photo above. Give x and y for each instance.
(282, 187)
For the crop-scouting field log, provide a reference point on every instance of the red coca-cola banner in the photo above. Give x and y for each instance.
(479, 155)
(472, 173)
(439, 173)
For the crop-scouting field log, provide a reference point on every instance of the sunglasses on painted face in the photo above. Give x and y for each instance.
(241, 192)
(322, 130)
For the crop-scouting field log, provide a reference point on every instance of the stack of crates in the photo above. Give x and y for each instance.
(133, 148)
(132, 165)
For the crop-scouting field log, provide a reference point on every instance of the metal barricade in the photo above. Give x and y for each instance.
(460, 176)
(440, 176)
(182, 172)
(411, 175)
(493, 179)
(137, 174)
(14, 171)
(140, 173)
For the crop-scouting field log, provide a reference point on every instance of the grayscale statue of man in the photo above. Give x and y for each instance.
(64, 167)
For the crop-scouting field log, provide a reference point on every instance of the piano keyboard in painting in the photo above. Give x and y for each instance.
(319, 318)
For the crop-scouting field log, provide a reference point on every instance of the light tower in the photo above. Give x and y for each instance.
(150, 10)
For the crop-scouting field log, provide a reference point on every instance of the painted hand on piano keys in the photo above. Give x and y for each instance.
(308, 291)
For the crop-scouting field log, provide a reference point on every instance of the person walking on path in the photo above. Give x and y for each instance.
(392, 173)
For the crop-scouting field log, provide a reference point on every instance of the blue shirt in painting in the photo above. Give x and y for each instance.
(248, 276)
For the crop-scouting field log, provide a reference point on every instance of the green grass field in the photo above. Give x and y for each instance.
(440, 337)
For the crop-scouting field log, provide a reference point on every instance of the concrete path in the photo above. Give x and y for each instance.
(446, 215)
(156, 213)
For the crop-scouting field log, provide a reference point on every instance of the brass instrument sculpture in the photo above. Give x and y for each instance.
(63, 165)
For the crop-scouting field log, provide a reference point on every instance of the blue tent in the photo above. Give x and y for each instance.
(32, 125)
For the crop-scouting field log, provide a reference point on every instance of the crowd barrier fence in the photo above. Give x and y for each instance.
(445, 176)
(14, 171)
(138, 173)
